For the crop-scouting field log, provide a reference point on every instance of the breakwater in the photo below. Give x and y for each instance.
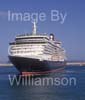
(67, 64)
(4, 64)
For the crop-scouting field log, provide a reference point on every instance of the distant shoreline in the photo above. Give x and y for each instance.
(67, 64)
(6, 65)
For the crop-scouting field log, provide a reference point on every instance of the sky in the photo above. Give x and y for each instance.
(68, 24)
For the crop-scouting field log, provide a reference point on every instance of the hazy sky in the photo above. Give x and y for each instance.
(69, 26)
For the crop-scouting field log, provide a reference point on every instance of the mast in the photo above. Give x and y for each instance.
(34, 28)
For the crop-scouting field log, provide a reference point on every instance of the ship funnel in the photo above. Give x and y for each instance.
(52, 36)
(34, 28)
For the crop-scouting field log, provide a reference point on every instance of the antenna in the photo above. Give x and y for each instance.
(34, 28)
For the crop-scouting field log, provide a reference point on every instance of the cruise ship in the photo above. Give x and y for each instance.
(36, 53)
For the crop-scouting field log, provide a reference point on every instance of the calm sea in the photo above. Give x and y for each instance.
(62, 88)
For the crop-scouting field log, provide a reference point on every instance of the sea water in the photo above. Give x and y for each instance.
(60, 88)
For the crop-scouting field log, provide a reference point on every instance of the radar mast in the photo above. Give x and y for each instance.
(34, 28)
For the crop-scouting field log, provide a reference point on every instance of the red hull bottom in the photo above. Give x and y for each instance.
(40, 73)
